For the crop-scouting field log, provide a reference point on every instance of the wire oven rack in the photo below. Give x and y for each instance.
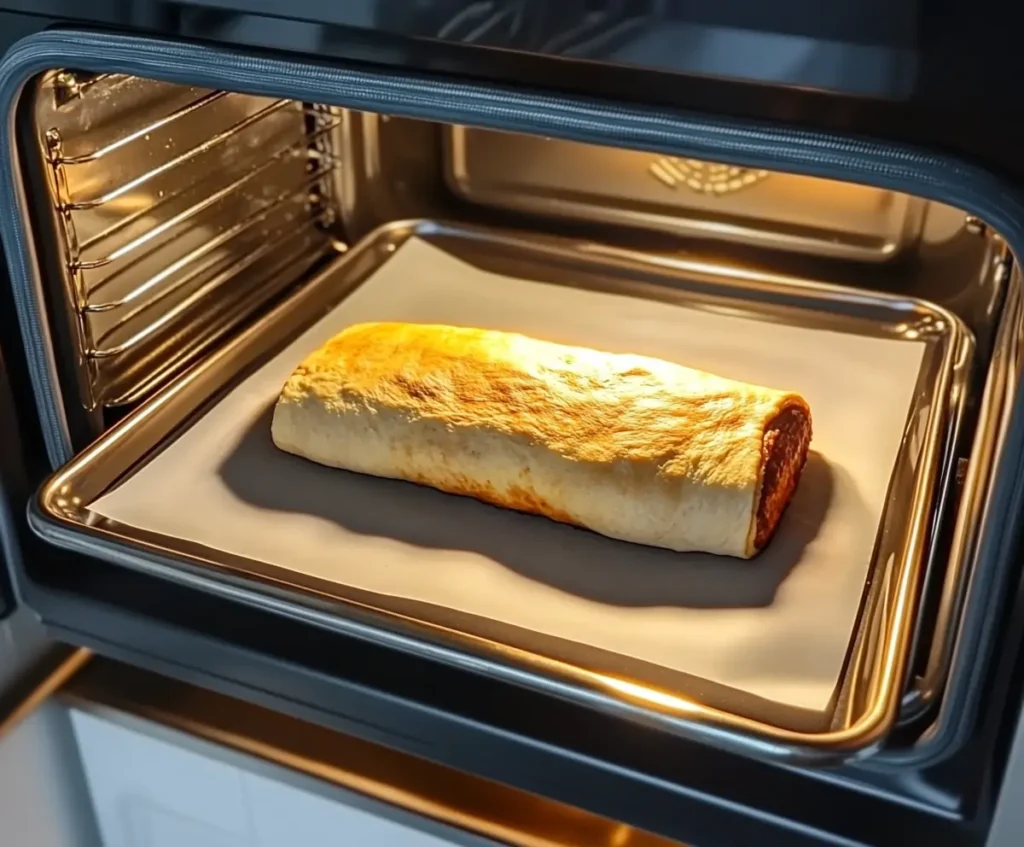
(178, 211)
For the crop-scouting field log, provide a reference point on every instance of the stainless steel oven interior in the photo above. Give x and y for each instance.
(184, 234)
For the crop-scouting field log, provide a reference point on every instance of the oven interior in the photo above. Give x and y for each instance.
(167, 218)
(174, 213)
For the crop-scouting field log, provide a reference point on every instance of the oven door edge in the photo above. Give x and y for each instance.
(890, 166)
(11, 477)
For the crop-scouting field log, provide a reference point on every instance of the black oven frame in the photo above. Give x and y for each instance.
(688, 792)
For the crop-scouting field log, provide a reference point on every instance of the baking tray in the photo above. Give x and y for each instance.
(864, 698)
(567, 179)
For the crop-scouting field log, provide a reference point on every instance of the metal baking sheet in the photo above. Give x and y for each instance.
(768, 638)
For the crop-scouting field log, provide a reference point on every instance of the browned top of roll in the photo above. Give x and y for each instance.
(670, 455)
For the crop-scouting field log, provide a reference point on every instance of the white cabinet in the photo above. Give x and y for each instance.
(42, 797)
(149, 793)
(155, 787)
(283, 815)
(1008, 824)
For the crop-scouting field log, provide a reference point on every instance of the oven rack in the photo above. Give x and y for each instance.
(151, 283)
(106, 348)
(69, 85)
(160, 235)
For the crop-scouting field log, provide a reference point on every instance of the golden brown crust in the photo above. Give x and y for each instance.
(630, 446)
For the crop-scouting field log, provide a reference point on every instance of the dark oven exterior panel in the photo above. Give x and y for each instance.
(684, 791)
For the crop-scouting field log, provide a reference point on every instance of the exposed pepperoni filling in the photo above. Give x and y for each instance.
(783, 456)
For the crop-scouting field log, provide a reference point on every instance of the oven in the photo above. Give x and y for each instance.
(198, 194)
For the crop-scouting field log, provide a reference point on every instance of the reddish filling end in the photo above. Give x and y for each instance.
(787, 439)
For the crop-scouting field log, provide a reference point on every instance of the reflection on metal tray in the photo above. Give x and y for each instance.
(680, 196)
(870, 690)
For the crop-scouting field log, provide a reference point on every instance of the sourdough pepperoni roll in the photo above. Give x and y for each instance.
(628, 446)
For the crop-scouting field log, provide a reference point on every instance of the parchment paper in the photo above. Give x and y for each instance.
(777, 627)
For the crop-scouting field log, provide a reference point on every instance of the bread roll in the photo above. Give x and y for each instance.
(628, 446)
